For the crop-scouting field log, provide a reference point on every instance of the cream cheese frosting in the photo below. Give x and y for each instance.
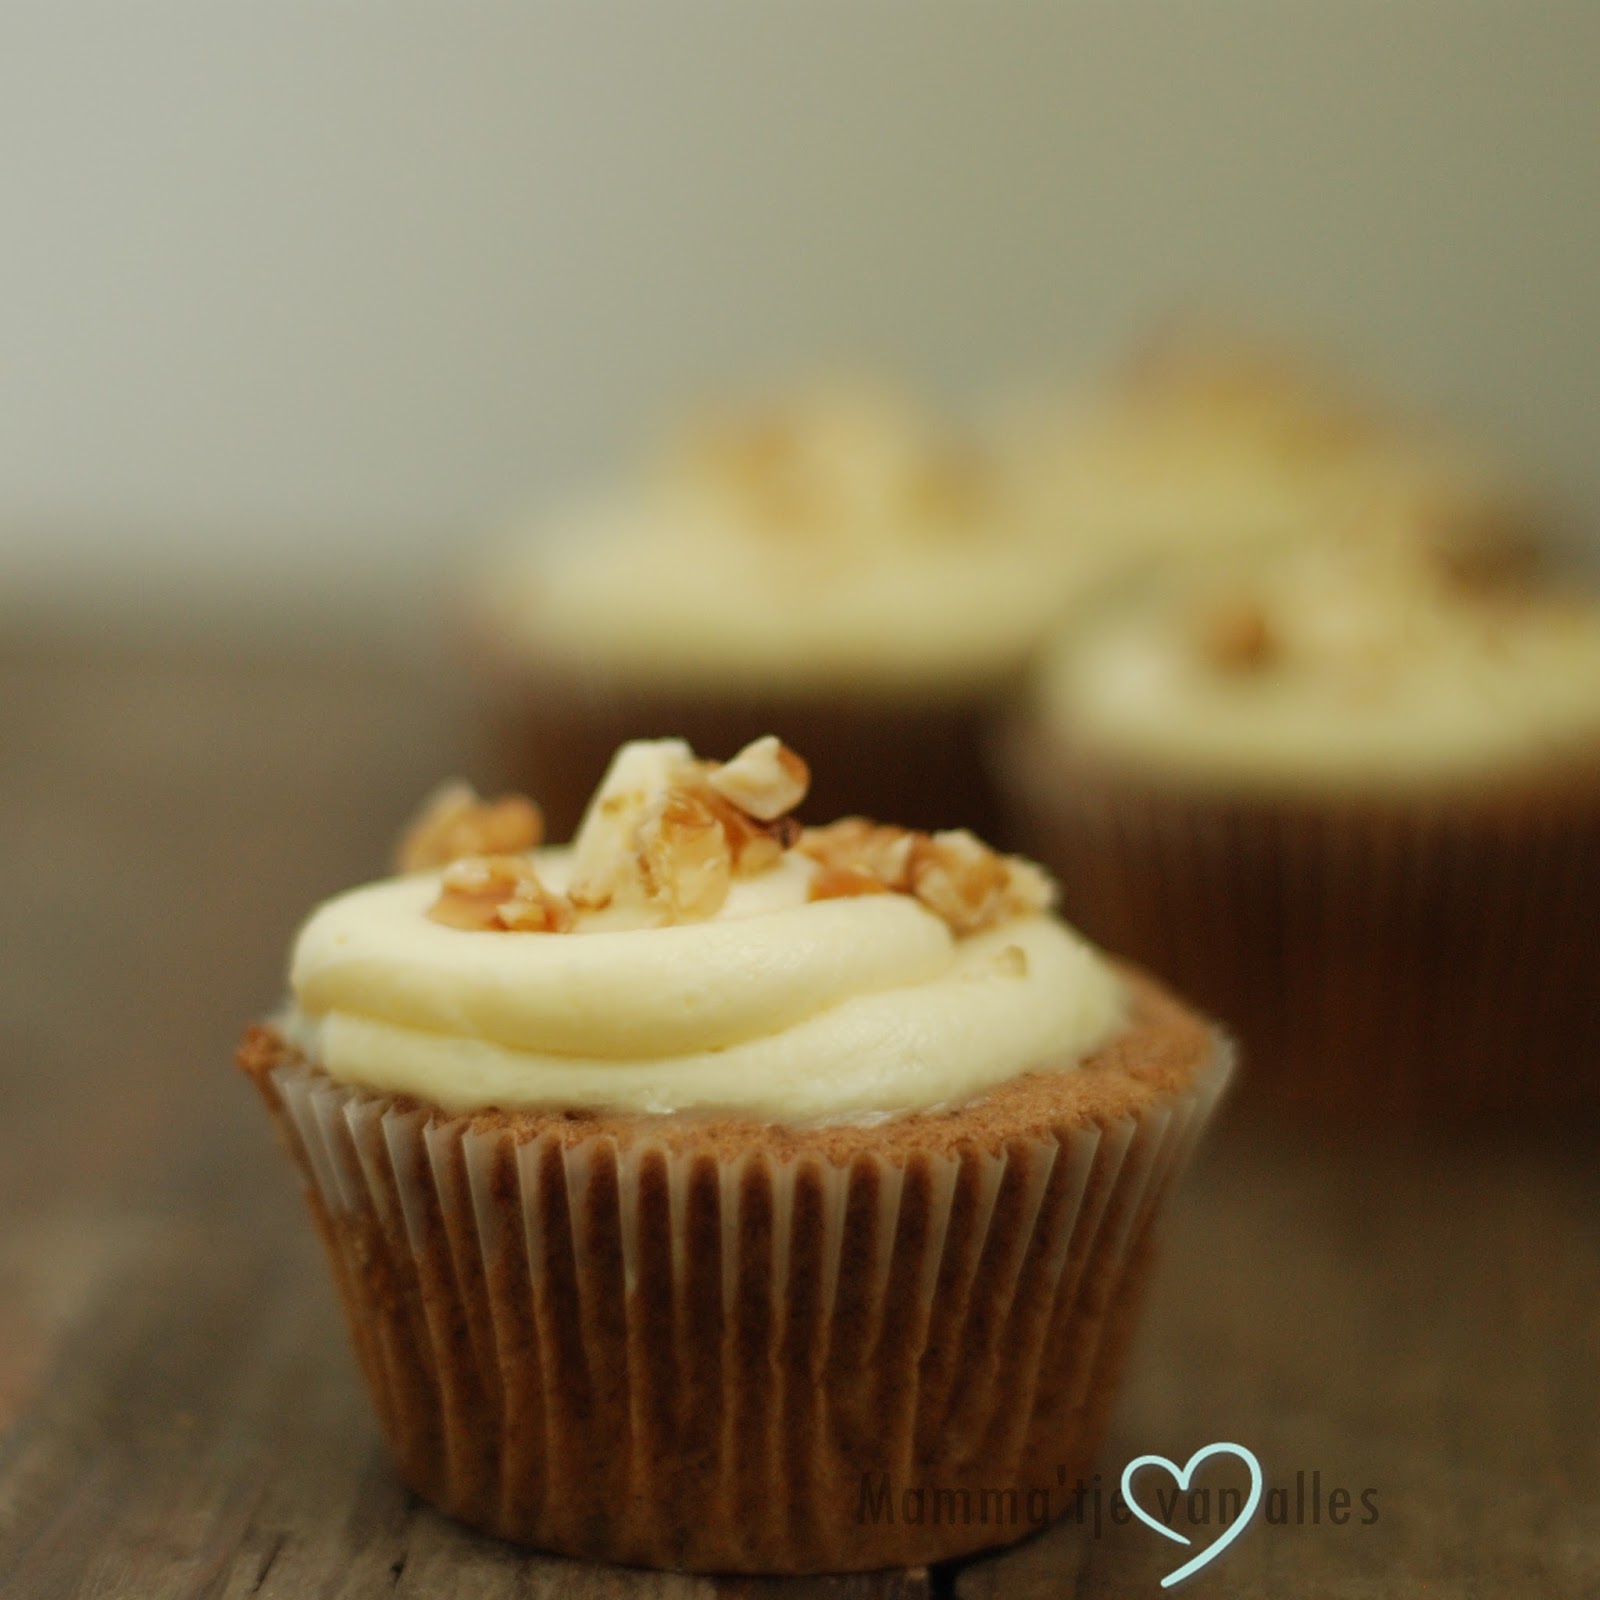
(1215, 444)
(778, 1008)
(839, 543)
(1377, 671)
(778, 1005)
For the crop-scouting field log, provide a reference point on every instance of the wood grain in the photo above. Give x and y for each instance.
(178, 1411)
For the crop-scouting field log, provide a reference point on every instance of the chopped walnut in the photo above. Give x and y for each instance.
(764, 463)
(756, 845)
(973, 887)
(685, 858)
(1492, 565)
(853, 844)
(1012, 960)
(503, 892)
(1029, 888)
(835, 464)
(952, 485)
(954, 874)
(454, 823)
(668, 832)
(765, 780)
(667, 835)
(958, 877)
(717, 820)
(1236, 637)
(843, 883)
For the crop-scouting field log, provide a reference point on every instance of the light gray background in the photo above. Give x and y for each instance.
(295, 294)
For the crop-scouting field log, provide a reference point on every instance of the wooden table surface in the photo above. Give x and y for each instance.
(1414, 1320)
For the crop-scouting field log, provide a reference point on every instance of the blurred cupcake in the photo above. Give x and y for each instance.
(1348, 797)
(835, 564)
(1207, 443)
(700, 1192)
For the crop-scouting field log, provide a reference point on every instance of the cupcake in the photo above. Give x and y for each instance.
(1349, 797)
(710, 1193)
(1206, 444)
(836, 563)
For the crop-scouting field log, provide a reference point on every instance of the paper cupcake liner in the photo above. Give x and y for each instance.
(1435, 958)
(657, 1352)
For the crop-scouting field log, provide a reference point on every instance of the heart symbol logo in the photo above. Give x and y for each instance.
(1184, 1475)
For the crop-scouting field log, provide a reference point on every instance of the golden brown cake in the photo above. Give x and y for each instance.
(697, 1192)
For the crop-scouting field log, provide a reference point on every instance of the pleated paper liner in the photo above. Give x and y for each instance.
(658, 1351)
(1432, 958)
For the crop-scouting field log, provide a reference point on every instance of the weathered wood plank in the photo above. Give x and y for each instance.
(178, 1411)
(1421, 1320)
(179, 1415)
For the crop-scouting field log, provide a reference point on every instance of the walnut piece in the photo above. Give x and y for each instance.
(875, 849)
(1012, 960)
(455, 823)
(1236, 637)
(756, 845)
(959, 878)
(953, 485)
(685, 857)
(499, 892)
(762, 462)
(954, 874)
(720, 820)
(1493, 564)
(843, 883)
(765, 780)
(668, 833)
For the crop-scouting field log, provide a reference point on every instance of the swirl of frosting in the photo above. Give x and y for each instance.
(840, 541)
(1356, 663)
(779, 1006)
(1211, 442)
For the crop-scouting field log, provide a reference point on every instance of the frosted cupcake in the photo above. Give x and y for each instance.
(1207, 445)
(693, 1189)
(1350, 799)
(837, 564)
